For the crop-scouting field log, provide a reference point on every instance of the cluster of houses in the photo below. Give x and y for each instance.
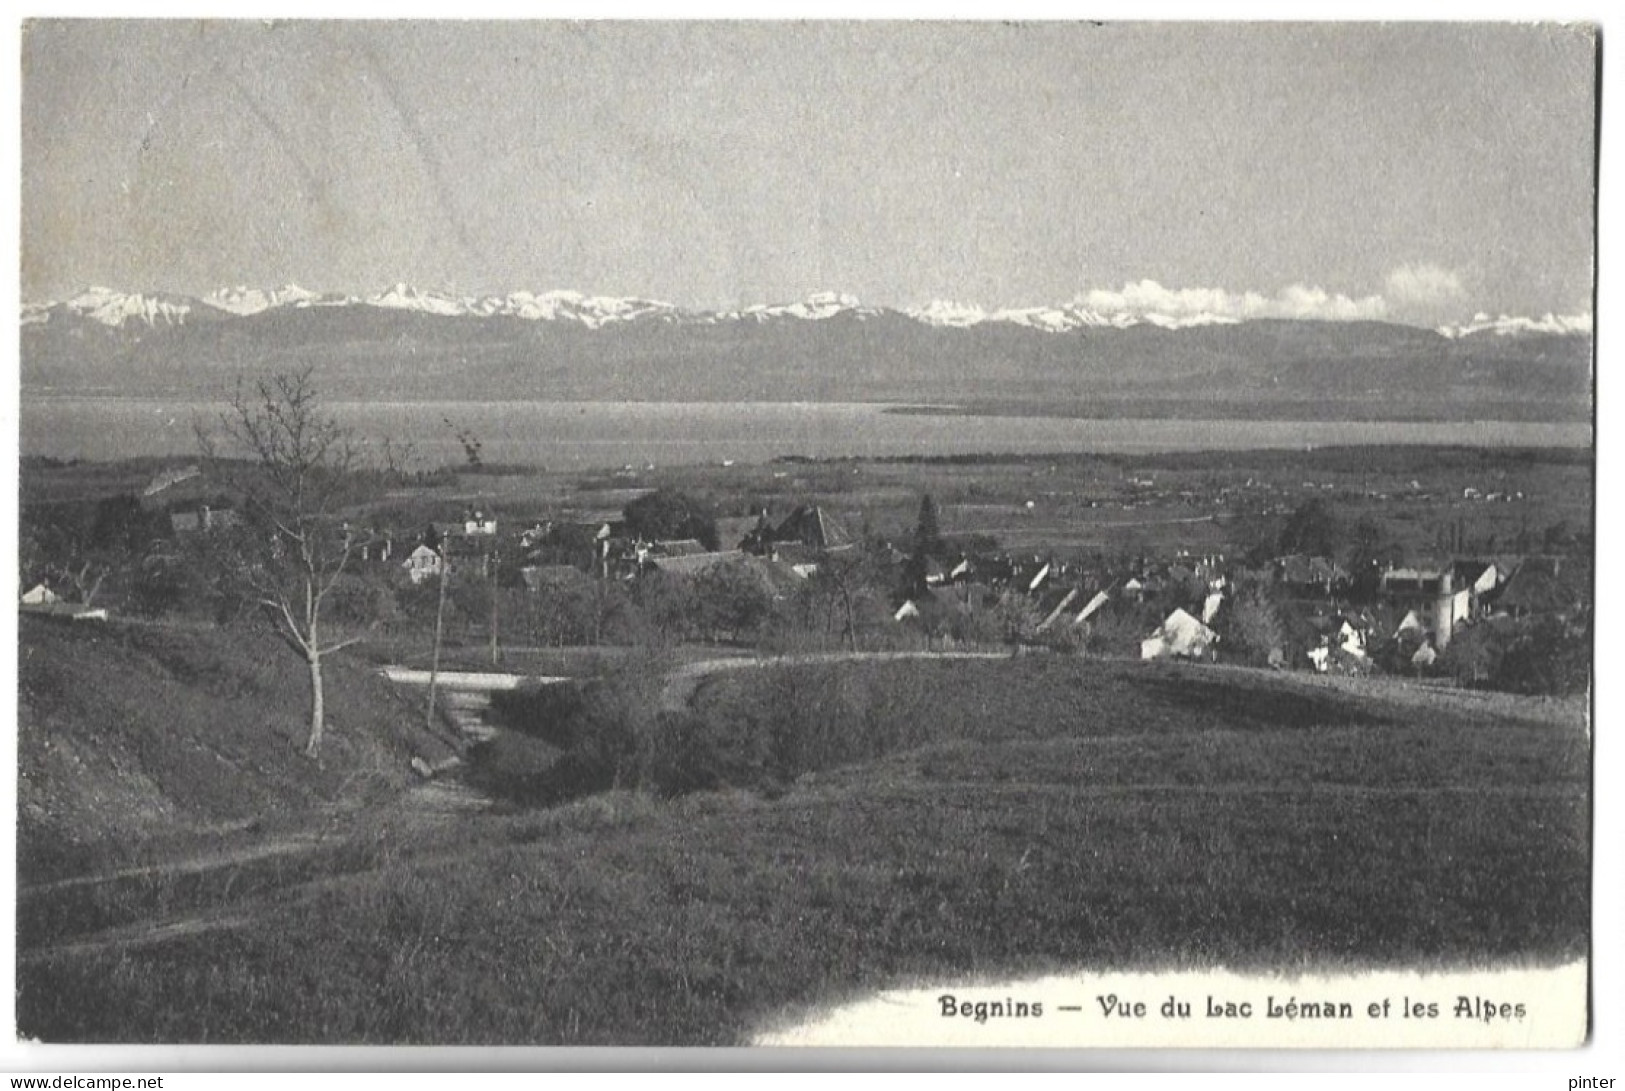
(175, 503)
(469, 543)
(781, 553)
(1422, 607)
(1068, 597)
(1417, 610)
(1332, 621)
(1434, 603)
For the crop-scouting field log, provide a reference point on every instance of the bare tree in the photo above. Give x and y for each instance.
(399, 456)
(292, 468)
(843, 580)
(71, 551)
(76, 561)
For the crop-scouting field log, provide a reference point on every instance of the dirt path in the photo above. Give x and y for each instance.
(194, 864)
(430, 804)
(143, 934)
(682, 682)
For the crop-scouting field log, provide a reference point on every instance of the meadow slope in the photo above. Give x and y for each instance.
(1014, 816)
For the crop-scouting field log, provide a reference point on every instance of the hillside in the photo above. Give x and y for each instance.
(955, 821)
(128, 733)
(836, 352)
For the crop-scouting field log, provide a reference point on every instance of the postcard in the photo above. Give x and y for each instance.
(1074, 535)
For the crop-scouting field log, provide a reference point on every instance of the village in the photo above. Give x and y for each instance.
(587, 540)
(1143, 561)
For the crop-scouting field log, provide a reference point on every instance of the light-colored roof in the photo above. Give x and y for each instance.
(166, 478)
(680, 547)
(1181, 630)
(811, 525)
(690, 564)
(1092, 608)
(1412, 574)
(39, 594)
(1066, 601)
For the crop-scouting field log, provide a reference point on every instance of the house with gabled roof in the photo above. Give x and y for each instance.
(40, 595)
(1091, 608)
(688, 564)
(1179, 635)
(679, 547)
(1037, 579)
(1411, 622)
(778, 578)
(812, 525)
(423, 563)
(195, 518)
(1310, 576)
(1054, 605)
(1536, 589)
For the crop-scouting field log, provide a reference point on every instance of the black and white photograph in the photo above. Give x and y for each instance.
(810, 533)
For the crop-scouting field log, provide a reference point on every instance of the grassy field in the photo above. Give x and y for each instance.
(1161, 502)
(904, 820)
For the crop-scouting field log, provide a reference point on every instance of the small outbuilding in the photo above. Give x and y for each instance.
(40, 595)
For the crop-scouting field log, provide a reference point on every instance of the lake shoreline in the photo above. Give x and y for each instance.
(1343, 410)
(605, 434)
(1347, 411)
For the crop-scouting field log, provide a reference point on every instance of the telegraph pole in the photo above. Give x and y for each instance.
(491, 582)
(439, 628)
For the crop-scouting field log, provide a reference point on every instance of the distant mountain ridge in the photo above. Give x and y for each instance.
(563, 345)
(111, 307)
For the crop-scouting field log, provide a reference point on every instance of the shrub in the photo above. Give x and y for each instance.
(1549, 657)
(730, 599)
(1119, 628)
(609, 731)
(159, 586)
(1252, 628)
(1473, 657)
(357, 602)
(666, 515)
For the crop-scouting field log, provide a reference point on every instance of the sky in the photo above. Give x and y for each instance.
(1411, 172)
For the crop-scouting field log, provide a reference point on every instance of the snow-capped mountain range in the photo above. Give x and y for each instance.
(562, 345)
(243, 301)
(118, 309)
(1062, 319)
(113, 308)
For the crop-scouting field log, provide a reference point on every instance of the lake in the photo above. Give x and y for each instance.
(569, 435)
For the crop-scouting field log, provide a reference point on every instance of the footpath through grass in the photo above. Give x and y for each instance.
(1021, 816)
